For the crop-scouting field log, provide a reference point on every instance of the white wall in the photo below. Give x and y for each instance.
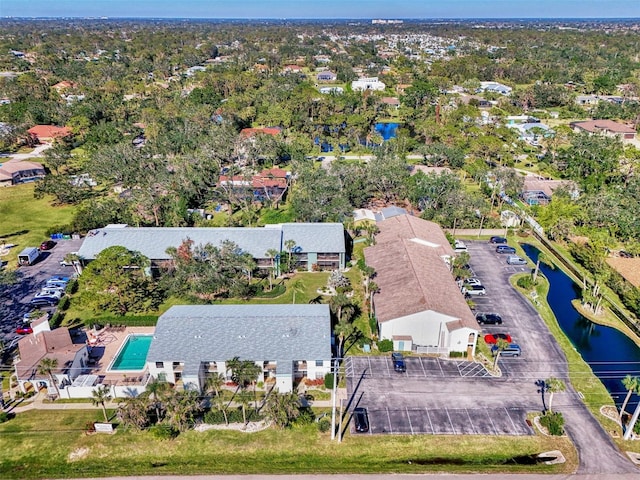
(427, 328)
(459, 339)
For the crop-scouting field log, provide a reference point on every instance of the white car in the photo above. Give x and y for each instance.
(64, 263)
(472, 281)
(459, 246)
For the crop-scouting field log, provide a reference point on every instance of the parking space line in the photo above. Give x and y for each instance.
(471, 421)
(440, 365)
(429, 418)
(491, 420)
(424, 372)
(409, 418)
(450, 422)
(389, 420)
(370, 367)
(515, 429)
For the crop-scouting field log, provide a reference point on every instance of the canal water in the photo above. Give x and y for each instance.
(610, 354)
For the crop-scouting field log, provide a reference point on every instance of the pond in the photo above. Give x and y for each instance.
(610, 354)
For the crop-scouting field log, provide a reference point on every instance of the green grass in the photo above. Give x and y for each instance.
(299, 450)
(25, 219)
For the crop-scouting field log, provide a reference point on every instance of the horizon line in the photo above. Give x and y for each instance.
(107, 17)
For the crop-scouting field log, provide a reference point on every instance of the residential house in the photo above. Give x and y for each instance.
(292, 69)
(419, 306)
(251, 132)
(392, 102)
(538, 191)
(317, 245)
(495, 87)
(63, 85)
(72, 358)
(367, 83)
(48, 133)
(587, 100)
(286, 342)
(270, 184)
(609, 128)
(329, 90)
(326, 76)
(13, 173)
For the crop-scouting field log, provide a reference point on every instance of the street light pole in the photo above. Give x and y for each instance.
(333, 407)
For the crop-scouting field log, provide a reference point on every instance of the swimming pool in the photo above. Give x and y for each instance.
(132, 355)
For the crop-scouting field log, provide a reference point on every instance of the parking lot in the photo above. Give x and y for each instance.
(32, 278)
(441, 396)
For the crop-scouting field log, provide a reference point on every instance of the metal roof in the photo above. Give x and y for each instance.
(153, 242)
(204, 333)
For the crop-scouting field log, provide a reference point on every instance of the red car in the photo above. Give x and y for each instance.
(492, 338)
(47, 245)
(24, 330)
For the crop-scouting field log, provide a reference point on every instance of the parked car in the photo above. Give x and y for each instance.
(513, 350)
(41, 299)
(59, 278)
(492, 338)
(59, 291)
(459, 246)
(474, 290)
(497, 240)
(64, 263)
(24, 330)
(516, 260)
(47, 245)
(489, 319)
(361, 419)
(472, 281)
(505, 249)
(56, 284)
(398, 362)
(34, 315)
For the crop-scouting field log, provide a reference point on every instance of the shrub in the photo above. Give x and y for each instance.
(64, 303)
(328, 381)
(385, 345)
(56, 319)
(525, 282)
(324, 425)
(72, 286)
(163, 431)
(4, 417)
(553, 422)
(65, 229)
(457, 354)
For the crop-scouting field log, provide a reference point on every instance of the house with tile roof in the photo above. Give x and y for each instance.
(605, 127)
(72, 358)
(13, 173)
(268, 185)
(419, 306)
(317, 245)
(48, 133)
(252, 132)
(287, 342)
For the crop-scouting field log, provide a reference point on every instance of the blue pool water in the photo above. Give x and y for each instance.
(133, 354)
(610, 354)
(387, 130)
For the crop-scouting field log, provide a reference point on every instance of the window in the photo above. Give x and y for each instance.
(319, 363)
(159, 364)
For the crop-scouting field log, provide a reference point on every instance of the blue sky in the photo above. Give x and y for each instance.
(323, 8)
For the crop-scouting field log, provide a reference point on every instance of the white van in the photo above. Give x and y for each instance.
(459, 246)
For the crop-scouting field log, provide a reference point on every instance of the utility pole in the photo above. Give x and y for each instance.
(333, 407)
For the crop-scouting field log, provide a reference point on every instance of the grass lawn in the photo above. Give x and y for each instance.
(71, 453)
(25, 219)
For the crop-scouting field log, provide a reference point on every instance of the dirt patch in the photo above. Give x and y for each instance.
(241, 427)
(629, 268)
(78, 454)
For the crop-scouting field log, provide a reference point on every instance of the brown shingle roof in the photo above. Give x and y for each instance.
(53, 344)
(411, 273)
(595, 126)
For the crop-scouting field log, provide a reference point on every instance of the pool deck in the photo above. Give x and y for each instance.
(105, 345)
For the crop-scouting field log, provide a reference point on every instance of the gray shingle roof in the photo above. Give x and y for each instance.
(203, 333)
(153, 242)
(315, 237)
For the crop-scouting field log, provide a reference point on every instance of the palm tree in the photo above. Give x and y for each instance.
(282, 408)
(297, 286)
(100, 396)
(156, 390)
(343, 330)
(553, 385)
(46, 367)
(337, 303)
(501, 344)
(289, 245)
(215, 382)
(271, 254)
(632, 385)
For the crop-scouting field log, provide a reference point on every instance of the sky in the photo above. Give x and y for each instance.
(389, 9)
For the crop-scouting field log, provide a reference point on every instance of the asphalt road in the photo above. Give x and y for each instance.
(15, 302)
(436, 396)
